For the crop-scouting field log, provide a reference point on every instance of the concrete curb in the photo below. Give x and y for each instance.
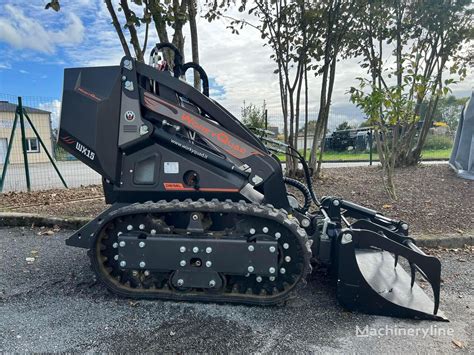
(446, 241)
(13, 219)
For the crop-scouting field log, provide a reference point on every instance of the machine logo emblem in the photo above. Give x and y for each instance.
(129, 116)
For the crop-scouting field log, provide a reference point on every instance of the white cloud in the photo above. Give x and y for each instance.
(22, 71)
(26, 32)
(243, 67)
(5, 66)
(54, 107)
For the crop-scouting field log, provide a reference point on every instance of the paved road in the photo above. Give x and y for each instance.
(53, 304)
(43, 176)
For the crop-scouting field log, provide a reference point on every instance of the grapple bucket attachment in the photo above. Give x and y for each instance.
(372, 280)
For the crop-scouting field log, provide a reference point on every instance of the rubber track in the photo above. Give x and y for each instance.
(243, 208)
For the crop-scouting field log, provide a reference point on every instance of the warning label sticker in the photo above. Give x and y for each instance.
(171, 167)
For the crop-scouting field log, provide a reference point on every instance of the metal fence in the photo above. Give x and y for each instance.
(350, 140)
(28, 132)
(30, 159)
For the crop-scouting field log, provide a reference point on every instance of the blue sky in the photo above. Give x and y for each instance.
(36, 46)
(31, 79)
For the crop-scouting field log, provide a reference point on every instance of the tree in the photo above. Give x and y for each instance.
(253, 116)
(300, 32)
(336, 18)
(309, 127)
(163, 14)
(344, 126)
(285, 28)
(421, 39)
(192, 9)
(448, 110)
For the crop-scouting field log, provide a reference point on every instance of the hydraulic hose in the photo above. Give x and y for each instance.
(202, 73)
(307, 176)
(303, 189)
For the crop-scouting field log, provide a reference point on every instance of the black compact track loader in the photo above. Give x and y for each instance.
(200, 209)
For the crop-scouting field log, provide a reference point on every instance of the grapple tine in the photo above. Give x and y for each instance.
(396, 260)
(436, 296)
(413, 274)
(435, 283)
(422, 273)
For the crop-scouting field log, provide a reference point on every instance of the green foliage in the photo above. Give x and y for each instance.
(438, 142)
(311, 127)
(426, 38)
(54, 4)
(428, 46)
(341, 138)
(62, 155)
(449, 111)
(253, 116)
(384, 107)
(343, 126)
(364, 124)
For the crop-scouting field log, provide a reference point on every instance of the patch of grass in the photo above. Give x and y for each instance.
(364, 156)
(436, 154)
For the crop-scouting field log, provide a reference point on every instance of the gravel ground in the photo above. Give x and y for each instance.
(53, 304)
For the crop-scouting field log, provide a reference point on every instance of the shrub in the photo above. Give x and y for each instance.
(435, 142)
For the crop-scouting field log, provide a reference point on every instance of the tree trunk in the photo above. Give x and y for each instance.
(160, 26)
(305, 110)
(415, 154)
(284, 103)
(318, 139)
(319, 123)
(194, 40)
(179, 12)
(332, 76)
(297, 111)
(291, 164)
(133, 31)
(118, 28)
(158, 20)
(389, 184)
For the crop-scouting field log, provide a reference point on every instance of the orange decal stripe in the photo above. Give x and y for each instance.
(175, 186)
